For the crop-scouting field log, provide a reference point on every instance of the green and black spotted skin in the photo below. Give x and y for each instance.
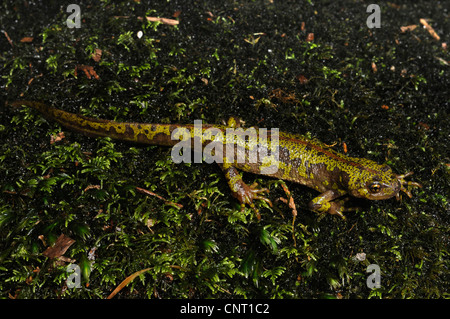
(300, 160)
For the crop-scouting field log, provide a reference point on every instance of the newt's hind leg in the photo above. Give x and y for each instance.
(244, 193)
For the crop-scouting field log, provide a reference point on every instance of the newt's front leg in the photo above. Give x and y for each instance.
(324, 203)
(245, 194)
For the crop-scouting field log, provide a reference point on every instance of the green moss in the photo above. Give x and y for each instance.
(237, 62)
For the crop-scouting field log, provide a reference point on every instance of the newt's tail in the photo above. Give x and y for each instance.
(157, 134)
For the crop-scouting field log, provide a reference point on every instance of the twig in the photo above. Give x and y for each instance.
(147, 192)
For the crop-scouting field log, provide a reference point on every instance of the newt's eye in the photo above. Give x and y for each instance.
(375, 187)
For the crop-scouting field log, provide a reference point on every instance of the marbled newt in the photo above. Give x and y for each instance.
(300, 160)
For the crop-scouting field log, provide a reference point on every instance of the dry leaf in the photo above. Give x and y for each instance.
(97, 55)
(56, 138)
(60, 247)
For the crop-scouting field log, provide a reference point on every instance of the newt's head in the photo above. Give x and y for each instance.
(380, 183)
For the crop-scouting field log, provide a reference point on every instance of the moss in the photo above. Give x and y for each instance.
(238, 60)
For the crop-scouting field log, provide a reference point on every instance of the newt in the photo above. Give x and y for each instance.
(300, 160)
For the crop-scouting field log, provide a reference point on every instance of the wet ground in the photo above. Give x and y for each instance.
(308, 67)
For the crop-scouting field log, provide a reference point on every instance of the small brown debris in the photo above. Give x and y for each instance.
(60, 247)
(408, 28)
(302, 79)
(41, 237)
(32, 79)
(56, 138)
(88, 70)
(8, 38)
(374, 67)
(163, 20)
(430, 29)
(291, 206)
(26, 39)
(393, 5)
(284, 97)
(169, 276)
(291, 200)
(150, 223)
(424, 126)
(126, 281)
(10, 192)
(310, 37)
(91, 187)
(443, 61)
(147, 192)
(97, 55)
(344, 146)
(302, 26)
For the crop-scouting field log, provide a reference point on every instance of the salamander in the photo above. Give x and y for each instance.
(299, 159)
